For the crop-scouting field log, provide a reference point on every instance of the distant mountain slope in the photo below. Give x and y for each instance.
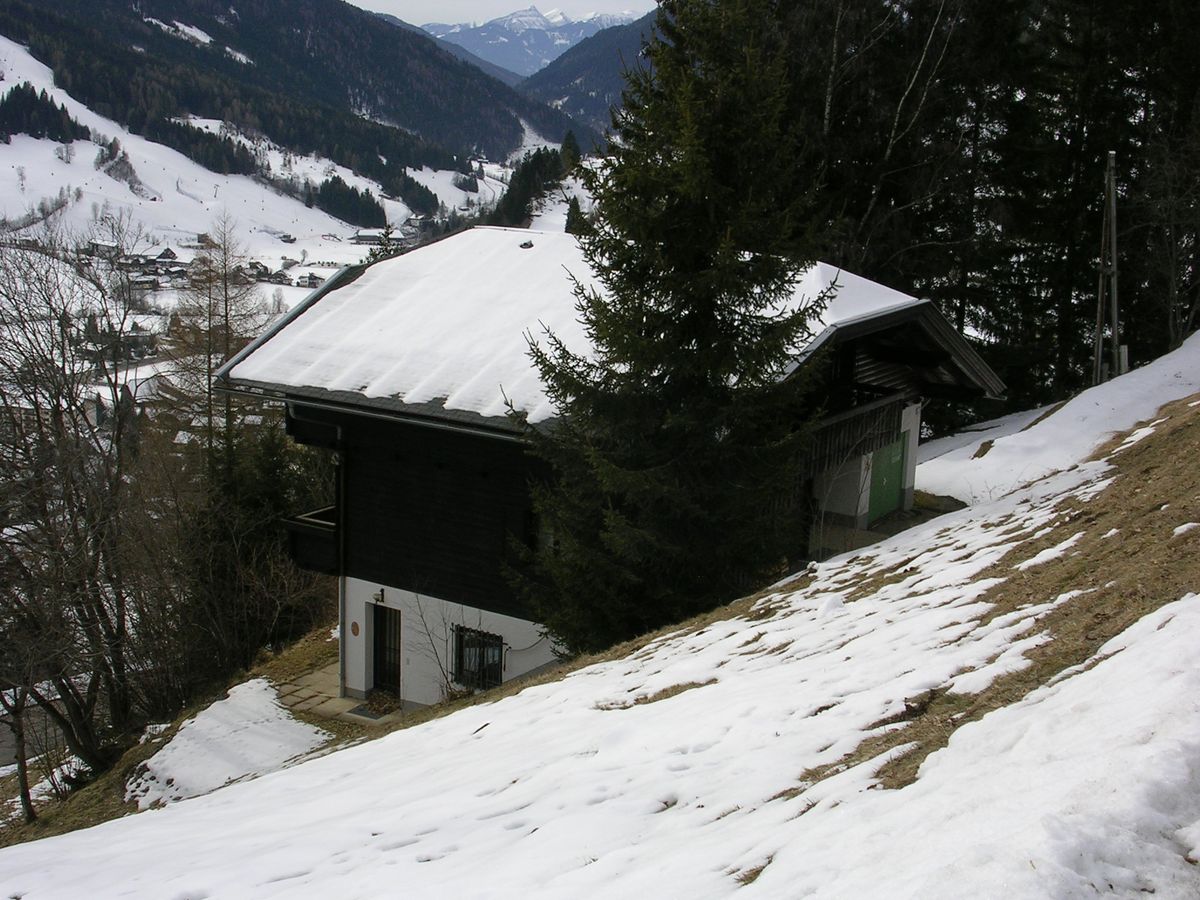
(524, 41)
(588, 79)
(276, 65)
(498, 72)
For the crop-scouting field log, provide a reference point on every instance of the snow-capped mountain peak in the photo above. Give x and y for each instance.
(528, 39)
(530, 19)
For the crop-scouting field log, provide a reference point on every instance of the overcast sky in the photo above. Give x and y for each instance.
(418, 12)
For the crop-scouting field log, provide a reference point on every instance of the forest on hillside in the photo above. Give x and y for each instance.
(148, 89)
(957, 151)
(312, 76)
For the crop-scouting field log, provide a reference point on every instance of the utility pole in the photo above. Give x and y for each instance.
(1107, 288)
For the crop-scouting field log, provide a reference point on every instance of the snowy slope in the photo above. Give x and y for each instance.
(550, 213)
(1070, 433)
(679, 771)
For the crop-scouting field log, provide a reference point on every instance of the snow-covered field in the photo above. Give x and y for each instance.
(679, 771)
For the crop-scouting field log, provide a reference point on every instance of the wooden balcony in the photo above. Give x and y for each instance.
(313, 540)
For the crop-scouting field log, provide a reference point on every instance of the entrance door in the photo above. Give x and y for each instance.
(387, 649)
(887, 479)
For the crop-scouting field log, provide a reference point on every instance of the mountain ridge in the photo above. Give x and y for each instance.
(587, 80)
(270, 67)
(498, 72)
(524, 41)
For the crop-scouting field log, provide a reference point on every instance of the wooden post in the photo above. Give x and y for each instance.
(1106, 287)
(1112, 262)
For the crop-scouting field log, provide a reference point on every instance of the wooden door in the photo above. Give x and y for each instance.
(387, 649)
(887, 479)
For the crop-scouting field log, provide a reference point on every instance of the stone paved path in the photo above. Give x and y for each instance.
(317, 693)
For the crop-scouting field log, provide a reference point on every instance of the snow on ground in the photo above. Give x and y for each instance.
(550, 213)
(1069, 434)
(177, 199)
(282, 163)
(243, 736)
(491, 187)
(531, 141)
(677, 771)
(974, 435)
(180, 30)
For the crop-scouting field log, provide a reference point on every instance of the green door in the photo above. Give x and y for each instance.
(887, 479)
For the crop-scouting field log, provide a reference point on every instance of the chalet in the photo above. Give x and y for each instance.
(369, 236)
(109, 250)
(404, 370)
(167, 256)
(144, 283)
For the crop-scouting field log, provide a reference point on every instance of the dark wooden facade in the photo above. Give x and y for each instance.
(420, 507)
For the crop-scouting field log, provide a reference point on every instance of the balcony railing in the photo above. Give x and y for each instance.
(313, 540)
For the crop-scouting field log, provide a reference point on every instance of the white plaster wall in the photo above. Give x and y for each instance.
(846, 490)
(426, 627)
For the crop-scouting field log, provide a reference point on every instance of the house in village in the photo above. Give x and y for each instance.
(367, 236)
(404, 369)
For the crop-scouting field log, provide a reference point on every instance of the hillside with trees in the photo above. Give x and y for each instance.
(25, 110)
(315, 76)
(142, 555)
(587, 80)
(957, 151)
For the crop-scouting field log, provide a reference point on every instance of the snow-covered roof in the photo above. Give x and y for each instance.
(447, 324)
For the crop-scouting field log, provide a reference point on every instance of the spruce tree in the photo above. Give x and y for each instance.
(676, 449)
(577, 222)
(570, 152)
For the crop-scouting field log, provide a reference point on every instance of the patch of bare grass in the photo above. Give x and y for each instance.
(749, 876)
(313, 651)
(665, 694)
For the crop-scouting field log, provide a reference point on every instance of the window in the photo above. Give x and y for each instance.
(478, 658)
